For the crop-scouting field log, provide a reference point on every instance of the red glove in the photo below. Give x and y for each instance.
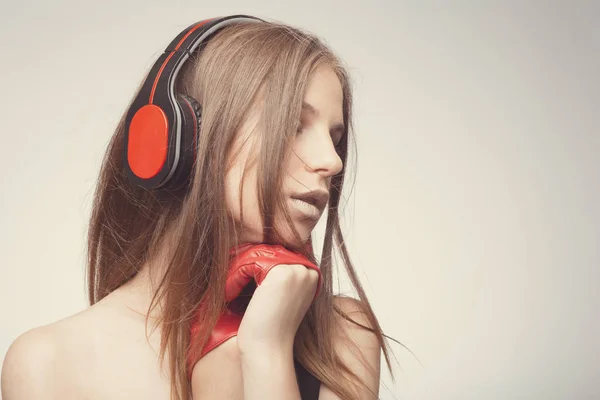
(249, 265)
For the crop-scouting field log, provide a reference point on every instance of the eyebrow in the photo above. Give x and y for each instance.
(339, 127)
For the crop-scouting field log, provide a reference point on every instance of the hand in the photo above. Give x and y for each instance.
(250, 264)
(276, 309)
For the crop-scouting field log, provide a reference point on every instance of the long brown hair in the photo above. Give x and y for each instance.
(239, 66)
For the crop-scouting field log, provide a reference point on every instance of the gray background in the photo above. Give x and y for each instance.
(474, 221)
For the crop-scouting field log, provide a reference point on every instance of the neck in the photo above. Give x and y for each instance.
(138, 292)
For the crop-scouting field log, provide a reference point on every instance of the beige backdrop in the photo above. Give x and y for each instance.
(474, 220)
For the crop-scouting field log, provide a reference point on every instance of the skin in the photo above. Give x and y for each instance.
(102, 352)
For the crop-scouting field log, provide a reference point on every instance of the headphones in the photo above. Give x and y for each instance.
(162, 127)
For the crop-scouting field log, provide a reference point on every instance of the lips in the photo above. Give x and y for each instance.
(317, 198)
(306, 210)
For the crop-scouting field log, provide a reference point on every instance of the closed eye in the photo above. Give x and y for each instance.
(337, 131)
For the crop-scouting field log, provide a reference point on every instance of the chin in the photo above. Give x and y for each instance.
(289, 240)
(304, 228)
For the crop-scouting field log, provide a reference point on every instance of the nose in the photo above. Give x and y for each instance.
(321, 155)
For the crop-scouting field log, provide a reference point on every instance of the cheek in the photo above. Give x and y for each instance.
(294, 164)
(249, 204)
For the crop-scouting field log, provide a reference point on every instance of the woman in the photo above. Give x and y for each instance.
(269, 156)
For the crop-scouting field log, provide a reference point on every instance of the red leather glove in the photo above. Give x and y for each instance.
(249, 262)
(253, 262)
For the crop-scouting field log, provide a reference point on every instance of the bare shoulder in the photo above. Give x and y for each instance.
(86, 355)
(354, 315)
(353, 324)
(27, 364)
(37, 360)
(357, 346)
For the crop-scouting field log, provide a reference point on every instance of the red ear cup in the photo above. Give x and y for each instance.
(148, 141)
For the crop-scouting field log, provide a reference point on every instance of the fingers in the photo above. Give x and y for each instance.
(293, 275)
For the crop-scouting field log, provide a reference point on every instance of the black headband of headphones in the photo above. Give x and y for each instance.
(162, 126)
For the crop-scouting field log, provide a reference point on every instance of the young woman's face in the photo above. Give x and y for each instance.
(313, 162)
